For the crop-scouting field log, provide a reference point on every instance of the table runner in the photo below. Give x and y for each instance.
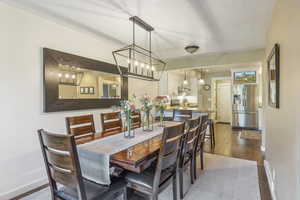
(94, 156)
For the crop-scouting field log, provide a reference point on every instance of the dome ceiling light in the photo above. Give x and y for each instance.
(191, 48)
(139, 62)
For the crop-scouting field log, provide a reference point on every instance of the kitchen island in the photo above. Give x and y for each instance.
(169, 112)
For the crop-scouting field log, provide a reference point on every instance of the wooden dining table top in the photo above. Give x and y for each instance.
(140, 156)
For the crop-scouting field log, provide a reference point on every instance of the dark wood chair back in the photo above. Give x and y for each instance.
(190, 139)
(61, 161)
(202, 132)
(136, 119)
(191, 135)
(111, 123)
(168, 155)
(81, 127)
(204, 122)
(182, 115)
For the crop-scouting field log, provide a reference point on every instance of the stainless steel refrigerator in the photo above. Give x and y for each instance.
(245, 106)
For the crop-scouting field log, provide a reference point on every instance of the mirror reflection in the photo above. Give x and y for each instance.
(78, 83)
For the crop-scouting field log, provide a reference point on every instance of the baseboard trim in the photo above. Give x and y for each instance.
(270, 179)
(23, 189)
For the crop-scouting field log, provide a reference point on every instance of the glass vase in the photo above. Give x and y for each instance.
(161, 119)
(148, 121)
(129, 132)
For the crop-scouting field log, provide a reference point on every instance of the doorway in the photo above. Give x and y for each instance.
(223, 103)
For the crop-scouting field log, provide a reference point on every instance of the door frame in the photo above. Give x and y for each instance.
(214, 95)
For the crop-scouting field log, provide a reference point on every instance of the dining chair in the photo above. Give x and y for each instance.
(111, 123)
(211, 135)
(63, 168)
(200, 143)
(136, 119)
(187, 154)
(156, 178)
(182, 115)
(82, 127)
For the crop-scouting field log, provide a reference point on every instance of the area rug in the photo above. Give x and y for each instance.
(250, 134)
(224, 178)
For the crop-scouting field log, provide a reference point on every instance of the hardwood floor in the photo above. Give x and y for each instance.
(229, 143)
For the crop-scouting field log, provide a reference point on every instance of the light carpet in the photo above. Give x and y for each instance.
(224, 178)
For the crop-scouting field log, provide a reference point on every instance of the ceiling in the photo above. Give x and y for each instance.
(214, 25)
(212, 69)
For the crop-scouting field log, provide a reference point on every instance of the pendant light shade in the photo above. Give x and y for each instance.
(201, 81)
(185, 81)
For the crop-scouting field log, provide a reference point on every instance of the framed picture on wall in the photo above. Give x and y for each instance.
(273, 76)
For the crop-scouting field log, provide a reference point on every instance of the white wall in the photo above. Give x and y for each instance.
(283, 127)
(139, 88)
(22, 37)
(169, 82)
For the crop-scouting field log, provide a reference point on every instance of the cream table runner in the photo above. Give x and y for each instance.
(94, 156)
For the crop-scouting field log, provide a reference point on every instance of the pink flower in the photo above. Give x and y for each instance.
(132, 107)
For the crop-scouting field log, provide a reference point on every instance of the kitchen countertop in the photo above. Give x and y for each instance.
(188, 108)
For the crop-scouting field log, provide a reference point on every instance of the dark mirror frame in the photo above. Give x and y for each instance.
(52, 103)
(275, 53)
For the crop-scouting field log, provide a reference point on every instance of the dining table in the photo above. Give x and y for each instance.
(133, 154)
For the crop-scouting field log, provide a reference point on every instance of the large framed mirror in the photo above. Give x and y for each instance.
(73, 82)
(274, 76)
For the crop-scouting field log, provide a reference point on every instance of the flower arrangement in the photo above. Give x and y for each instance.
(146, 103)
(147, 106)
(127, 108)
(161, 105)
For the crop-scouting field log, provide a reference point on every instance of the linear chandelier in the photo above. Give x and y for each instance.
(140, 62)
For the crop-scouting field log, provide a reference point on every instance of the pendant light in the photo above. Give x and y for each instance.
(139, 62)
(201, 80)
(185, 81)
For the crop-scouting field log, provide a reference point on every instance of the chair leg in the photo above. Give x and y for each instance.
(213, 134)
(201, 158)
(125, 193)
(154, 197)
(175, 186)
(195, 166)
(192, 170)
(181, 182)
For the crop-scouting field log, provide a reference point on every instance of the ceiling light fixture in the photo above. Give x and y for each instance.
(191, 48)
(185, 82)
(134, 54)
(201, 80)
